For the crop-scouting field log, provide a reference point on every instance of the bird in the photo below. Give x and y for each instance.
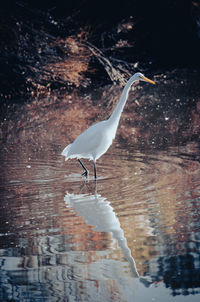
(95, 141)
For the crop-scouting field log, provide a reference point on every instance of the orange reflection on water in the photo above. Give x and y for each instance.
(144, 208)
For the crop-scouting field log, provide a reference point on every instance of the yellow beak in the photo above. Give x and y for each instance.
(148, 80)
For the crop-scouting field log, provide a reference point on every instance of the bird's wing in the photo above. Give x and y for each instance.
(88, 141)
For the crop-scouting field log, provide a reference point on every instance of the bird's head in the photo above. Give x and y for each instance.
(140, 77)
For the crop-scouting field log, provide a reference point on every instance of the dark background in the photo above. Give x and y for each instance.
(164, 35)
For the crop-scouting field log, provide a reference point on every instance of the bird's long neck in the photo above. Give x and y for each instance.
(115, 116)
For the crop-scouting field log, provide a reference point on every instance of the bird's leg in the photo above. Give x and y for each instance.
(95, 170)
(86, 171)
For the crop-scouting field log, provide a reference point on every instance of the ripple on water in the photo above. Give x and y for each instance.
(145, 203)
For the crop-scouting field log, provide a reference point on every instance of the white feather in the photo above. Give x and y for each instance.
(96, 140)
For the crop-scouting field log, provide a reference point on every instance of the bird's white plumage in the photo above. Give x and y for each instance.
(96, 140)
(92, 143)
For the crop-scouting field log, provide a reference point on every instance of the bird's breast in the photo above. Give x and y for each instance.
(104, 143)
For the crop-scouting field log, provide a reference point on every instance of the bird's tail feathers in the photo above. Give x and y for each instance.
(65, 152)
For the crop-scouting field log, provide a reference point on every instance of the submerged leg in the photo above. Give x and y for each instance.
(86, 171)
(95, 170)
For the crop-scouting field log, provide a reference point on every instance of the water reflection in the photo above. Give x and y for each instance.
(97, 211)
(140, 228)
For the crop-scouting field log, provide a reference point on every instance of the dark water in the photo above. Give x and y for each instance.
(132, 236)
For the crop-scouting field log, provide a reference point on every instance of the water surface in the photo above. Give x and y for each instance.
(133, 235)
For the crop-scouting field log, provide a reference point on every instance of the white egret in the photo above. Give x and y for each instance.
(96, 140)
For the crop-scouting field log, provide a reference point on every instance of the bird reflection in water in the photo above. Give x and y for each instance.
(98, 212)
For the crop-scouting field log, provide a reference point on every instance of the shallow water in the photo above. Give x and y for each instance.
(134, 235)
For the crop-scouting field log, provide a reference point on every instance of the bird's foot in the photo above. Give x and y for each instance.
(86, 173)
